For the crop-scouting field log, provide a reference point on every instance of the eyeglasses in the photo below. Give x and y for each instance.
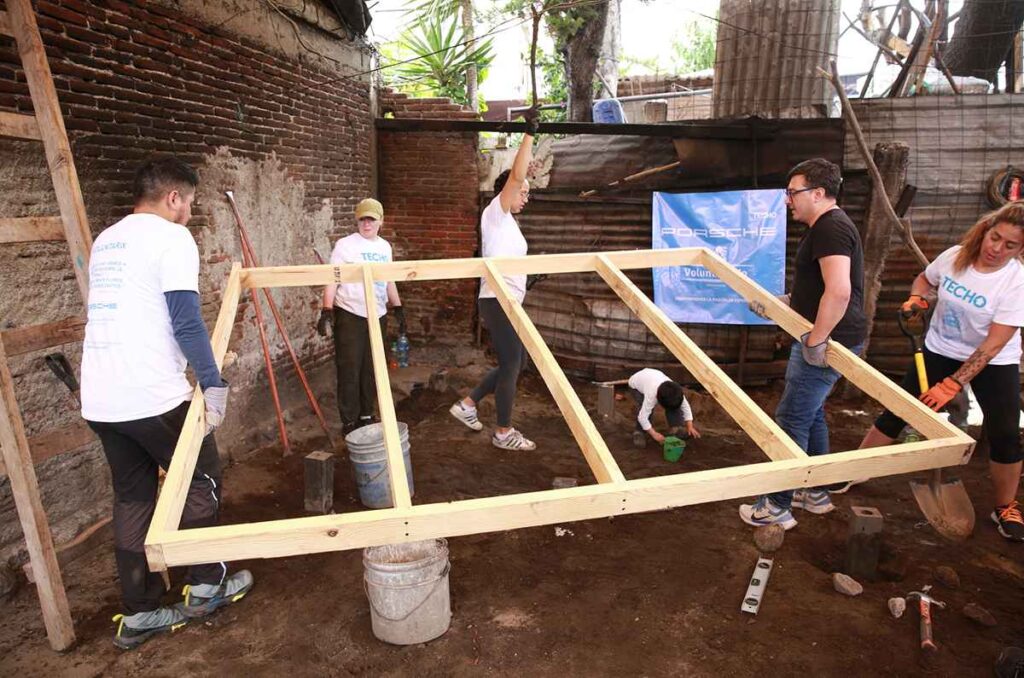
(790, 192)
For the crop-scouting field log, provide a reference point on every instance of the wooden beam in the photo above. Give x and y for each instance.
(453, 269)
(397, 480)
(583, 430)
(740, 129)
(38, 337)
(31, 229)
(90, 538)
(171, 502)
(38, 540)
(5, 24)
(317, 534)
(59, 441)
(18, 126)
(55, 139)
(766, 434)
(865, 377)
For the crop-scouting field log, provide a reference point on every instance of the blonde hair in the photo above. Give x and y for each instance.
(970, 247)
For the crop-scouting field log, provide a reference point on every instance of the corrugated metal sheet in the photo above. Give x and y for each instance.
(956, 143)
(766, 55)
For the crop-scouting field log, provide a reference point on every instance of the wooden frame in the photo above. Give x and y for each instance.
(789, 467)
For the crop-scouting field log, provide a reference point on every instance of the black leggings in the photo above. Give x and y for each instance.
(135, 451)
(501, 381)
(997, 388)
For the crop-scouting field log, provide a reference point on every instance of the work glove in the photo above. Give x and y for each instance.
(324, 323)
(758, 309)
(400, 316)
(914, 307)
(937, 396)
(532, 118)
(814, 355)
(216, 405)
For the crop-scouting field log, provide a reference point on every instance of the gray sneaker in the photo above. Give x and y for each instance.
(203, 599)
(513, 440)
(135, 629)
(467, 415)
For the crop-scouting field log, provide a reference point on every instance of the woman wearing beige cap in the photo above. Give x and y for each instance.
(344, 307)
(501, 237)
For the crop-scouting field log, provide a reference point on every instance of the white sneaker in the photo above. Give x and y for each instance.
(513, 440)
(467, 415)
(814, 501)
(764, 512)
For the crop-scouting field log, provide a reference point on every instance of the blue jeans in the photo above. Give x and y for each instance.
(801, 411)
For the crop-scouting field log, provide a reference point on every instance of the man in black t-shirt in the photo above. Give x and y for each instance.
(828, 290)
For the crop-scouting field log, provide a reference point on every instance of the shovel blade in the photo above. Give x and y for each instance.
(946, 506)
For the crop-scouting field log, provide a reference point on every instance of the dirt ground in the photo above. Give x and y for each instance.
(653, 594)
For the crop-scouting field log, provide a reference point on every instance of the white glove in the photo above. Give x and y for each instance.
(216, 405)
(814, 355)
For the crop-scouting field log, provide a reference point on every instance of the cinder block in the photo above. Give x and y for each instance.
(319, 476)
(863, 542)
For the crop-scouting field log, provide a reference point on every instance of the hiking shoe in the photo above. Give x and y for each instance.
(1010, 663)
(764, 512)
(135, 629)
(513, 440)
(843, 488)
(204, 599)
(467, 415)
(815, 501)
(1009, 522)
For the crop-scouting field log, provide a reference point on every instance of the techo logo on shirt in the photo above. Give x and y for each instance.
(376, 257)
(963, 292)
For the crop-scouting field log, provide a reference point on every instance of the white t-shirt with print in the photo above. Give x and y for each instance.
(969, 302)
(502, 238)
(355, 249)
(132, 366)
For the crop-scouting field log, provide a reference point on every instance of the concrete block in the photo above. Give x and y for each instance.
(863, 542)
(319, 477)
(605, 400)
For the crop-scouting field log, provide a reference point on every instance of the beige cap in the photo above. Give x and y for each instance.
(370, 208)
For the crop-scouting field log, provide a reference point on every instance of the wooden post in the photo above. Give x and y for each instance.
(319, 476)
(892, 159)
(38, 540)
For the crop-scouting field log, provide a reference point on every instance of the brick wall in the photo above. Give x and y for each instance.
(284, 130)
(429, 187)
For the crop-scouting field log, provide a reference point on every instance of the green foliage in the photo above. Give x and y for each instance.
(696, 50)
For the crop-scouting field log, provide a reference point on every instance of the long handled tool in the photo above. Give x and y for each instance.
(248, 248)
(944, 503)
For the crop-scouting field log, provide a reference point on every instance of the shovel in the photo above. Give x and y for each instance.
(944, 503)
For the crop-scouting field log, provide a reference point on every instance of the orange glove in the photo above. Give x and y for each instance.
(937, 396)
(914, 306)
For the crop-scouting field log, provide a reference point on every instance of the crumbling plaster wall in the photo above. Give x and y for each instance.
(272, 105)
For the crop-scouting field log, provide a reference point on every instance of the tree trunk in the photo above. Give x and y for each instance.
(608, 63)
(468, 35)
(581, 54)
(983, 37)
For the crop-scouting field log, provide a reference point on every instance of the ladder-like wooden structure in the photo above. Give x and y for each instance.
(20, 454)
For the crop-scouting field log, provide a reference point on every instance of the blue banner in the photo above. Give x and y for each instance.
(746, 228)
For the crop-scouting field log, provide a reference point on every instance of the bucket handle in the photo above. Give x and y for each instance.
(378, 474)
(436, 583)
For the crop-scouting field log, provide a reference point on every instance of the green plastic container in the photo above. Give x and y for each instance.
(673, 448)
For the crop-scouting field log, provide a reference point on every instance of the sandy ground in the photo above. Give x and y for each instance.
(654, 594)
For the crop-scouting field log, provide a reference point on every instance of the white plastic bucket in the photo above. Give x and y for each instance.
(407, 587)
(370, 463)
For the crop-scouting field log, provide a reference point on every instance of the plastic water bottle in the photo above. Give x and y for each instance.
(402, 350)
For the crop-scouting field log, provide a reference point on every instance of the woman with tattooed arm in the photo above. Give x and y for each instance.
(974, 337)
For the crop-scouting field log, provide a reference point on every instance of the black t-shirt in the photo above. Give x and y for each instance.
(832, 234)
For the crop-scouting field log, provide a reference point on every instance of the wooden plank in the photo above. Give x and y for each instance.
(38, 540)
(31, 229)
(765, 433)
(338, 532)
(18, 126)
(171, 502)
(38, 337)
(453, 269)
(5, 24)
(583, 430)
(70, 438)
(90, 538)
(55, 139)
(397, 480)
(862, 375)
(740, 129)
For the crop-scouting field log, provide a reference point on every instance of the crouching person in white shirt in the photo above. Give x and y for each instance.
(650, 388)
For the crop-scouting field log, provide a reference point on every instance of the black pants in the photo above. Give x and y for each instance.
(501, 381)
(997, 388)
(357, 390)
(135, 450)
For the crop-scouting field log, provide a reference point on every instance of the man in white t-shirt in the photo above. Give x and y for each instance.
(344, 309)
(144, 327)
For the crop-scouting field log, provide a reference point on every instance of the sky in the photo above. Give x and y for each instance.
(648, 28)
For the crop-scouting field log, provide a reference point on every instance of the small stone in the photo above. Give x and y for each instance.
(897, 606)
(561, 483)
(947, 576)
(977, 613)
(768, 539)
(847, 585)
